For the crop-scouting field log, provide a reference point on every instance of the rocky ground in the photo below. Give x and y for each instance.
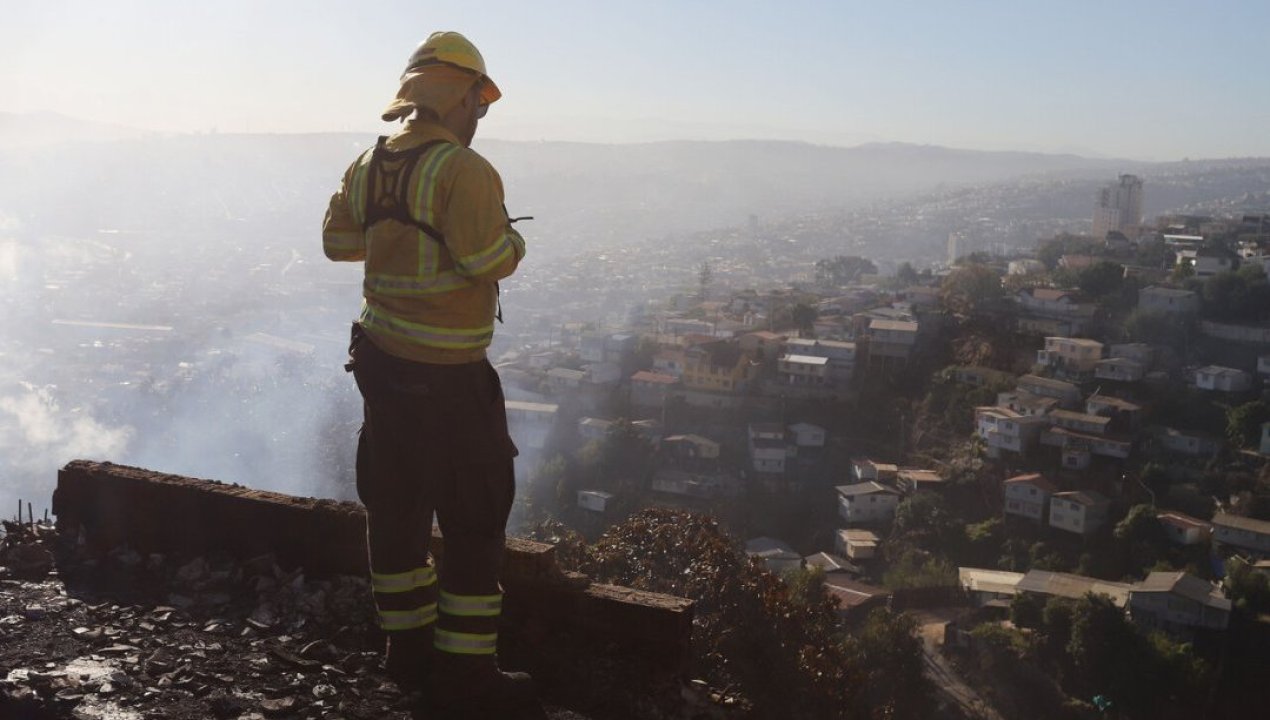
(127, 637)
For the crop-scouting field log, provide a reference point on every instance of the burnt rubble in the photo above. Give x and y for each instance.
(127, 633)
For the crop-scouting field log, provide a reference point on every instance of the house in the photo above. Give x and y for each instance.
(669, 362)
(1141, 353)
(1242, 532)
(840, 354)
(766, 443)
(595, 500)
(691, 447)
(1048, 311)
(802, 370)
(1124, 414)
(1048, 584)
(1185, 442)
(856, 599)
(1067, 394)
(980, 376)
(762, 345)
(1025, 403)
(1119, 369)
(591, 428)
(1168, 301)
(1069, 356)
(1182, 529)
(649, 389)
(679, 482)
(834, 566)
(530, 422)
(1080, 422)
(1264, 447)
(562, 380)
(911, 480)
(1263, 369)
(806, 435)
(1003, 429)
(775, 554)
(1077, 448)
(1178, 603)
(591, 346)
(892, 339)
(865, 469)
(1028, 495)
(857, 543)
(1222, 379)
(1213, 261)
(988, 587)
(1081, 511)
(719, 366)
(867, 503)
(619, 347)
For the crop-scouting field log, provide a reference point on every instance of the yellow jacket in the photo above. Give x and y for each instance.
(424, 301)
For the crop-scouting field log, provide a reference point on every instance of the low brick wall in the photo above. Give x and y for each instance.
(155, 512)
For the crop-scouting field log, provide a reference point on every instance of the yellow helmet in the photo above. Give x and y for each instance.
(452, 48)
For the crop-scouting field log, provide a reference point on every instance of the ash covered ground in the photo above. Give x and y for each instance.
(132, 637)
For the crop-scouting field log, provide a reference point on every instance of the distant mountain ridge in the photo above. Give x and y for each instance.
(593, 193)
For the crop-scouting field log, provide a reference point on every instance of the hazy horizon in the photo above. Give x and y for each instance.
(1125, 81)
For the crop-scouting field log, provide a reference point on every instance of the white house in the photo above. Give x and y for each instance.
(1067, 394)
(867, 503)
(1222, 379)
(1178, 603)
(592, 428)
(802, 370)
(857, 543)
(1186, 442)
(1069, 356)
(767, 447)
(892, 338)
(840, 356)
(1242, 532)
(1182, 529)
(1120, 370)
(866, 469)
(806, 435)
(1028, 495)
(1141, 353)
(775, 554)
(986, 586)
(530, 422)
(911, 480)
(1168, 300)
(596, 500)
(1081, 511)
(1003, 429)
(565, 379)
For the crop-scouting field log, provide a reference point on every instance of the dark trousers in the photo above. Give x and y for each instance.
(434, 441)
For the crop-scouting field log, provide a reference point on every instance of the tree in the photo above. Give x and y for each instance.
(1243, 423)
(1101, 279)
(906, 274)
(895, 684)
(843, 270)
(1027, 611)
(969, 288)
(804, 317)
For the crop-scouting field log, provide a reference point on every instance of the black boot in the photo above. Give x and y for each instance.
(408, 658)
(473, 686)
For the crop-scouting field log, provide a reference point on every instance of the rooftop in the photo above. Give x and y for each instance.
(1239, 522)
(1044, 582)
(868, 487)
(1185, 585)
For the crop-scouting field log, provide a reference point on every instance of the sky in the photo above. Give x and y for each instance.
(1139, 79)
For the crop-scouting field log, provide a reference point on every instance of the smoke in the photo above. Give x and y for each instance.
(48, 434)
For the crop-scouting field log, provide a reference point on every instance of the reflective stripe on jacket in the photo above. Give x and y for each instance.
(425, 301)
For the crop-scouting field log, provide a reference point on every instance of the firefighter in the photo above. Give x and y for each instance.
(425, 215)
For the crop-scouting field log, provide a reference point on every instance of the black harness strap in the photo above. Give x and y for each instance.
(388, 186)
